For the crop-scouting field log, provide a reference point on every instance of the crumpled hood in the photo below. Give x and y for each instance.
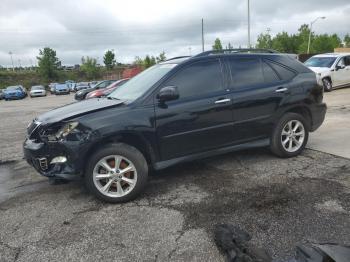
(77, 109)
(320, 69)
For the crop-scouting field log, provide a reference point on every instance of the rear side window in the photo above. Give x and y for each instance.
(270, 75)
(198, 78)
(283, 72)
(246, 72)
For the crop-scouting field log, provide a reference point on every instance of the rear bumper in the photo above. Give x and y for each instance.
(318, 113)
(40, 155)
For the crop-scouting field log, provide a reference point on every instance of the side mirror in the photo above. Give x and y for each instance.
(168, 93)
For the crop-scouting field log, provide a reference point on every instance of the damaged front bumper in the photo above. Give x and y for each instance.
(54, 159)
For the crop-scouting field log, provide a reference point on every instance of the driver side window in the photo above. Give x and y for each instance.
(197, 79)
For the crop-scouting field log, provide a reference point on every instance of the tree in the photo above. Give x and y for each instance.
(89, 67)
(282, 42)
(161, 57)
(264, 41)
(109, 59)
(302, 39)
(149, 61)
(217, 44)
(48, 63)
(229, 46)
(347, 40)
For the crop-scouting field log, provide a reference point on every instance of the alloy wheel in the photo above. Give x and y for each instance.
(115, 176)
(292, 136)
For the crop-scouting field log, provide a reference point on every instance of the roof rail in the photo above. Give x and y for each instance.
(234, 51)
(176, 57)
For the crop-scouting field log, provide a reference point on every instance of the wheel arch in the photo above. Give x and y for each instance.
(327, 77)
(129, 138)
(302, 110)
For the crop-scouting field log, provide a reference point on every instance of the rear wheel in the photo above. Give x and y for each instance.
(290, 135)
(116, 173)
(327, 84)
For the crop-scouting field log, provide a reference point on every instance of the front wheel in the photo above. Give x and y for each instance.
(290, 135)
(116, 173)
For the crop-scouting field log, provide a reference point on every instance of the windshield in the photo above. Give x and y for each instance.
(11, 88)
(320, 61)
(140, 83)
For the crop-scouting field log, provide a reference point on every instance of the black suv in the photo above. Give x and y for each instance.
(179, 110)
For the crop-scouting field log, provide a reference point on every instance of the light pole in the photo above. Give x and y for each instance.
(13, 67)
(308, 45)
(249, 46)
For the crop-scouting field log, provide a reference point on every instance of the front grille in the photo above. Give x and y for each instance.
(43, 163)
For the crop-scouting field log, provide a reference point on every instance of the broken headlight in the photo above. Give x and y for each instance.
(66, 130)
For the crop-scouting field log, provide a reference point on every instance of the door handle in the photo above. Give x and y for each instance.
(281, 90)
(222, 101)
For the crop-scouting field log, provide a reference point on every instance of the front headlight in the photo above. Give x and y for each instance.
(66, 129)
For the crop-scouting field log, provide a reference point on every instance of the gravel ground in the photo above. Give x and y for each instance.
(281, 202)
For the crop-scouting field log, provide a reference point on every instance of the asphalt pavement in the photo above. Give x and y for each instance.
(280, 202)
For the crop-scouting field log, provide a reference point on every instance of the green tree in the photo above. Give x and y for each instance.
(138, 61)
(284, 43)
(48, 63)
(302, 39)
(149, 61)
(89, 67)
(109, 59)
(217, 44)
(161, 57)
(347, 40)
(264, 41)
(324, 43)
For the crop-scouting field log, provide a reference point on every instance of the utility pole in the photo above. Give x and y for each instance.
(308, 45)
(202, 35)
(19, 64)
(249, 45)
(13, 67)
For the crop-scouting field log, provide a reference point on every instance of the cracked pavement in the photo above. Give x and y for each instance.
(280, 202)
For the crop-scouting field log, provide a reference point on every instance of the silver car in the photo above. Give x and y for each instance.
(37, 91)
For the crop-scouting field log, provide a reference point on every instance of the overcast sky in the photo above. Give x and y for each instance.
(76, 28)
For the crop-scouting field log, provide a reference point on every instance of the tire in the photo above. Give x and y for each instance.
(327, 84)
(124, 154)
(281, 134)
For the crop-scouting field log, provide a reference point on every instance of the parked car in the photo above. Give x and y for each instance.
(332, 70)
(93, 83)
(179, 110)
(81, 95)
(37, 91)
(14, 92)
(52, 87)
(71, 85)
(106, 91)
(2, 96)
(81, 86)
(61, 89)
